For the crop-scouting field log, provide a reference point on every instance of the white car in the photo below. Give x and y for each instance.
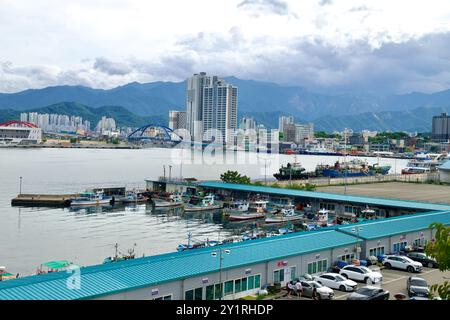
(361, 273)
(336, 281)
(402, 262)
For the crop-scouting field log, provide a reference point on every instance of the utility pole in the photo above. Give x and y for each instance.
(345, 161)
(214, 254)
(20, 188)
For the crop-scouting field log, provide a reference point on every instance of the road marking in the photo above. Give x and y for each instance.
(390, 281)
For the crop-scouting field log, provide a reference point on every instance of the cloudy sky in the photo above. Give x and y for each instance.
(359, 45)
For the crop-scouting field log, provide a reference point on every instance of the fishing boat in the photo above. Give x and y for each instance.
(86, 199)
(192, 244)
(4, 275)
(244, 216)
(135, 197)
(322, 217)
(287, 214)
(261, 206)
(352, 168)
(423, 163)
(167, 201)
(294, 171)
(201, 204)
(56, 266)
(130, 254)
(236, 206)
(239, 211)
(367, 213)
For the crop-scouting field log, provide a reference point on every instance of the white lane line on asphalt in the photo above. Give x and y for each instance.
(390, 281)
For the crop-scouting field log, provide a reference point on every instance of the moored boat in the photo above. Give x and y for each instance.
(168, 200)
(86, 199)
(352, 168)
(293, 171)
(201, 204)
(4, 275)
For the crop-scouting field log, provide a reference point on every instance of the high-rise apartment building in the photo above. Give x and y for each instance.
(303, 131)
(441, 127)
(177, 119)
(283, 121)
(247, 123)
(211, 105)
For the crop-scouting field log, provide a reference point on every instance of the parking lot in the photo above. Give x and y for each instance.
(395, 282)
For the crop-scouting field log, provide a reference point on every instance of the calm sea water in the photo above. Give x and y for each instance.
(31, 236)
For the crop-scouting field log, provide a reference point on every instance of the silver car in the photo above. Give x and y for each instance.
(323, 293)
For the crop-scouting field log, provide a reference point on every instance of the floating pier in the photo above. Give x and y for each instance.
(43, 200)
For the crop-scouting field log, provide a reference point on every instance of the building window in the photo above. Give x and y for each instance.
(327, 206)
(194, 294)
(347, 257)
(229, 287)
(376, 251)
(317, 266)
(399, 246)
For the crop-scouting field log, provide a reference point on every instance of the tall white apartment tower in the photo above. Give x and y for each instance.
(219, 109)
(194, 104)
(211, 104)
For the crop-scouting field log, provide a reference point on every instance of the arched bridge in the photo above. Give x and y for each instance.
(154, 133)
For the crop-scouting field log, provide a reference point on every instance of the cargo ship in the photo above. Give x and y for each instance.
(353, 168)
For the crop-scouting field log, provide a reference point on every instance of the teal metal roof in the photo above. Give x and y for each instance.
(398, 225)
(111, 278)
(329, 196)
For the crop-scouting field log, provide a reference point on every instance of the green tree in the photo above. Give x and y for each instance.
(234, 177)
(439, 249)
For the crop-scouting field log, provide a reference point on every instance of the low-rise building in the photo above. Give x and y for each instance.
(19, 133)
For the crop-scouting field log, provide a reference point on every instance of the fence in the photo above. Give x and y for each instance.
(418, 178)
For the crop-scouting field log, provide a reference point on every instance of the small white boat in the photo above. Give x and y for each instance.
(288, 215)
(246, 216)
(322, 217)
(86, 199)
(201, 204)
(171, 201)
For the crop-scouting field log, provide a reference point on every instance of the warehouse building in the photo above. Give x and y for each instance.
(444, 172)
(231, 271)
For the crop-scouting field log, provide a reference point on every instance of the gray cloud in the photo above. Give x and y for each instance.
(265, 6)
(112, 68)
(421, 64)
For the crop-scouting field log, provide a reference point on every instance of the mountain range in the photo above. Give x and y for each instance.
(137, 103)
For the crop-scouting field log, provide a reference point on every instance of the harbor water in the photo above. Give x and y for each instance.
(31, 236)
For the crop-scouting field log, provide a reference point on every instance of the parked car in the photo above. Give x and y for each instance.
(336, 281)
(417, 287)
(421, 257)
(369, 293)
(360, 273)
(402, 262)
(323, 292)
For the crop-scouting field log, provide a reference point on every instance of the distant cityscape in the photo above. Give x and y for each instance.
(211, 115)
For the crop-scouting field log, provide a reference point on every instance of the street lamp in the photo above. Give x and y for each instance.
(20, 188)
(214, 254)
(357, 230)
(170, 171)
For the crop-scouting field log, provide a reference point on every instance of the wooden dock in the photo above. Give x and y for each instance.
(43, 200)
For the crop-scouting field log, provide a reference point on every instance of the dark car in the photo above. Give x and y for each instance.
(369, 293)
(423, 259)
(417, 287)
